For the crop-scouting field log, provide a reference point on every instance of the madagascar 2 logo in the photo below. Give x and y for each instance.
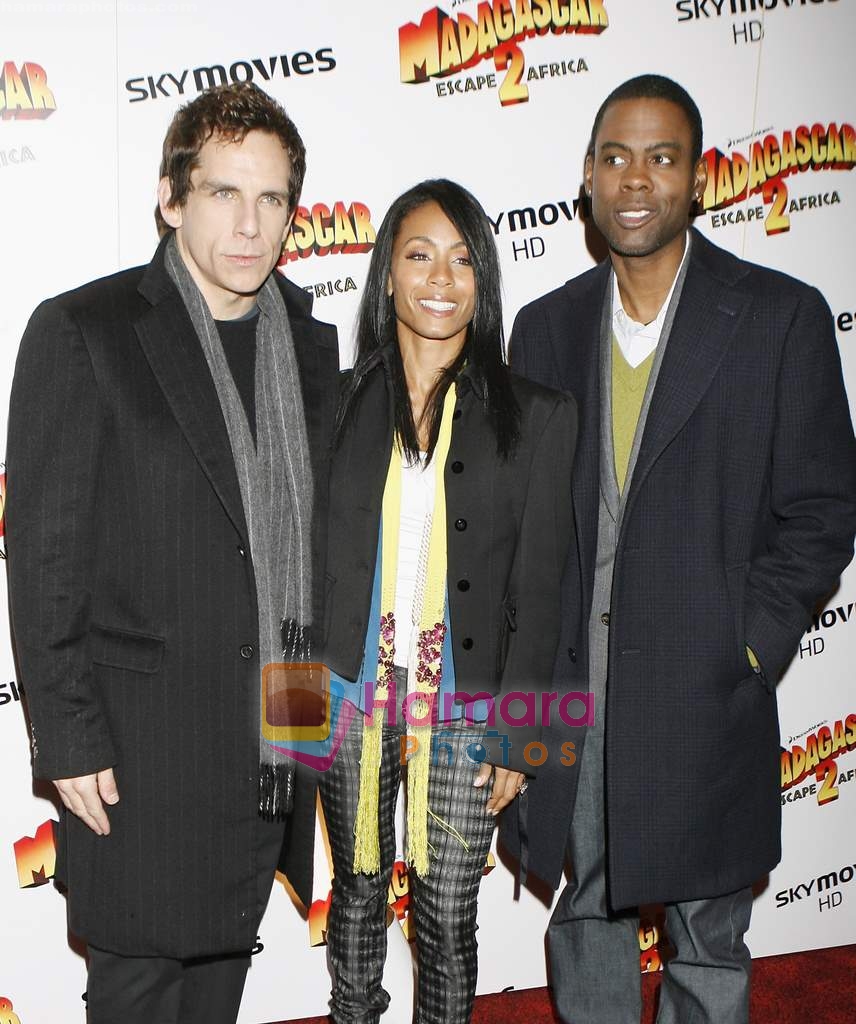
(812, 768)
(7, 1012)
(440, 46)
(319, 231)
(764, 172)
(24, 94)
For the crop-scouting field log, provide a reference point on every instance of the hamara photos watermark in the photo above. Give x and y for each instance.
(306, 713)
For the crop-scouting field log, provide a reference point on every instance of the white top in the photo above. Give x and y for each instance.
(417, 505)
(637, 341)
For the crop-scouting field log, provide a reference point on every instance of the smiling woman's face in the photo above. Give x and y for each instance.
(431, 281)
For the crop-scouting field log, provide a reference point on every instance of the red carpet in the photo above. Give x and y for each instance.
(803, 988)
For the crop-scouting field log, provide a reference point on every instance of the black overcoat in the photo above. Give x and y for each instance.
(134, 608)
(508, 526)
(740, 516)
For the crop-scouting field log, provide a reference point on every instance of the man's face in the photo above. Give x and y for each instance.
(232, 225)
(641, 177)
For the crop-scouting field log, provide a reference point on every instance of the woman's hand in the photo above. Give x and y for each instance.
(506, 786)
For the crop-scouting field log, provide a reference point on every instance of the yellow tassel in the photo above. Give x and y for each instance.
(366, 839)
(450, 829)
(417, 800)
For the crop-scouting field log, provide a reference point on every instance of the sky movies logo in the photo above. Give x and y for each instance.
(25, 94)
(695, 10)
(261, 70)
(441, 46)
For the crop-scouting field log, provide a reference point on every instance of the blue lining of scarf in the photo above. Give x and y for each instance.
(355, 692)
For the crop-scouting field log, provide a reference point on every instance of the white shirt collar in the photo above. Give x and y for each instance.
(637, 341)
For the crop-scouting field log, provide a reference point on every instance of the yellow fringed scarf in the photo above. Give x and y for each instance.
(429, 668)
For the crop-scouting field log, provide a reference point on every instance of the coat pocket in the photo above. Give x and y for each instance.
(736, 577)
(120, 648)
(507, 626)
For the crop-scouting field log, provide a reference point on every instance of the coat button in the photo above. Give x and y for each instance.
(605, 618)
(467, 643)
(460, 524)
(572, 653)
(241, 551)
(456, 415)
(247, 651)
(463, 585)
(457, 467)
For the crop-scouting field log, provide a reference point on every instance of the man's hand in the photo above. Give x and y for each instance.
(506, 786)
(86, 795)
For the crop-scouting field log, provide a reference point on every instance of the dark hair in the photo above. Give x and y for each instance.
(230, 112)
(653, 87)
(483, 348)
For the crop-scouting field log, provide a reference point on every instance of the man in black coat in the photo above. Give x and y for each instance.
(715, 500)
(167, 453)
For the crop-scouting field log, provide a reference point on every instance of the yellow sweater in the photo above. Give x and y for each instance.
(628, 392)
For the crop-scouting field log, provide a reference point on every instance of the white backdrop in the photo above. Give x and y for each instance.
(87, 91)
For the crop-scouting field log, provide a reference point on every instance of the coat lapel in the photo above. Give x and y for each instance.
(317, 352)
(367, 472)
(707, 318)
(169, 342)
(173, 351)
(580, 369)
(318, 364)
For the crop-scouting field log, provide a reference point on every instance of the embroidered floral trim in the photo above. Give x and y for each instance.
(429, 646)
(386, 652)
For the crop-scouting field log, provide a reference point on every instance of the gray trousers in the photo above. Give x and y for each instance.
(594, 953)
(443, 903)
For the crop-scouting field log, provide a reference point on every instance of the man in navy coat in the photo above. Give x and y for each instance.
(715, 502)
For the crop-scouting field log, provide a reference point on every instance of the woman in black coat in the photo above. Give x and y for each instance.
(451, 520)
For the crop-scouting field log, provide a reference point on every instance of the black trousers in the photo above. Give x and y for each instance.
(162, 990)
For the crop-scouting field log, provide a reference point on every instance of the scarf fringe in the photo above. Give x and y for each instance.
(417, 801)
(366, 838)
(276, 791)
(449, 830)
(296, 645)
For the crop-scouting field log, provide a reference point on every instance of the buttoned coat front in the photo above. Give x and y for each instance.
(134, 608)
(508, 526)
(739, 517)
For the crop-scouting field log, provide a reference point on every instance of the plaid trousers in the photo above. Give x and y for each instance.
(443, 903)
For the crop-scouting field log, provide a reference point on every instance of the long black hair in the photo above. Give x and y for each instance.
(483, 347)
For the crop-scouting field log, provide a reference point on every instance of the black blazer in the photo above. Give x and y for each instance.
(508, 529)
(740, 516)
(134, 610)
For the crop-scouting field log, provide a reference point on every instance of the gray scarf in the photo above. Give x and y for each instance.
(275, 478)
